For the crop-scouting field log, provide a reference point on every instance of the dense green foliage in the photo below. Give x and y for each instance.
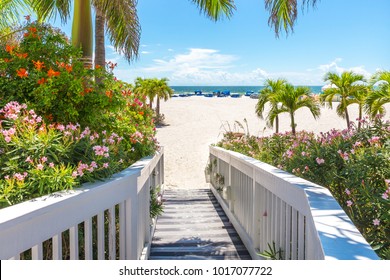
(59, 126)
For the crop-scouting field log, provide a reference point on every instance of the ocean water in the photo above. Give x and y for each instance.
(232, 89)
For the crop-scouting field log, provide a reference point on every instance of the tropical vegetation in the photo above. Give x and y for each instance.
(57, 123)
(285, 98)
(353, 164)
(154, 88)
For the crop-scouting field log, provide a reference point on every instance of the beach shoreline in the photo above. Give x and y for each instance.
(193, 123)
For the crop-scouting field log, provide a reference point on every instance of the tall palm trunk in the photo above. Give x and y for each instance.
(276, 124)
(100, 51)
(82, 34)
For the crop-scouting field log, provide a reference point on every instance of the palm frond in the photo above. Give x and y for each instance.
(284, 13)
(10, 12)
(49, 9)
(216, 9)
(122, 25)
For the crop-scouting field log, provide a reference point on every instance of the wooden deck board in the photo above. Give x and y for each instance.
(194, 226)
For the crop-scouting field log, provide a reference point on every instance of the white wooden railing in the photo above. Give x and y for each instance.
(81, 221)
(267, 205)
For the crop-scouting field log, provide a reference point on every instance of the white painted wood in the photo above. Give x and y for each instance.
(57, 246)
(37, 252)
(100, 236)
(287, 202)
(112, 234)
(74, 242)
(122, 231)
(24, 225)
(88, 248)
(301, 237)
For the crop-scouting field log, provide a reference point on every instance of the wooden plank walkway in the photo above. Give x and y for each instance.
(194, 226)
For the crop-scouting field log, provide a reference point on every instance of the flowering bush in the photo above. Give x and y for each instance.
(46, 72)
(38, 159)
(354, 164)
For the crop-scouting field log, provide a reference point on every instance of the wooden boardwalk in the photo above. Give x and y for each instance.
(194, 226)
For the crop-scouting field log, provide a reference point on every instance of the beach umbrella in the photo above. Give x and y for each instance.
(328, 86)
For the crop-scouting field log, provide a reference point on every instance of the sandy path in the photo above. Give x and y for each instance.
(193, 123)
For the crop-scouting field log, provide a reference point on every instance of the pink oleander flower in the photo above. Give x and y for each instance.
(43, 159)
(74, 174)
(347, 191)
(7, 139)
(60, 127)
(105, 165)
(385, 195)
(289, 153)
(387, 182)
(376, 222)
(93, 164)
(19, 176)
(40, 166)
(100, 150)
(320, 161)
(29, 160)
(307, 168)
(349, 203)
(374, 140)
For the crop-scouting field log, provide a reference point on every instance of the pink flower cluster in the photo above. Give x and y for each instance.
(32, 118)
(8, 134)
(344, 155)
(101, 151)
(320, 161)
(375, 140)
(12, 109)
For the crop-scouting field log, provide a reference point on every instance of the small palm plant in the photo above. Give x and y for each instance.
(377, 98)
(347, 86)
(272, 88)
(290, 99)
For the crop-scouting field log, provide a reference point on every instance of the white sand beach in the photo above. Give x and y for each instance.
(193, 123)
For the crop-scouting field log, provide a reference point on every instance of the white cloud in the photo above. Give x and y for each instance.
(145, 52)
(211, 67)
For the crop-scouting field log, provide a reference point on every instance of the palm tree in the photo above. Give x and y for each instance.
(291, 99)
(347, 87)
(272, 88)
(163, 91)
(144, 87)
(380, 96)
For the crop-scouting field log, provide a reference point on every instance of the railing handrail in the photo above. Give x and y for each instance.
(27, 224)
(335, 234)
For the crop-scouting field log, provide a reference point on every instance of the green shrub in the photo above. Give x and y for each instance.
(46, 72)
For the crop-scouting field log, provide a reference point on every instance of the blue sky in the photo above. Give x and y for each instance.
(180, 43)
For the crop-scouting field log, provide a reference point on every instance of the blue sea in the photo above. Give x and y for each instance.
(232, 89)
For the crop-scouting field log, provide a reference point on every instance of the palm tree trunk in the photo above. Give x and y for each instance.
(277, 124)
(158, 107)
(292, 123)
(100, 51)
(347, 118)
(360, 116)
(82, 29)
